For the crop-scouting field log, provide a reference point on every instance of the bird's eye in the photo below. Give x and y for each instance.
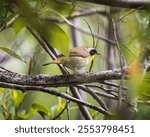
(92, 52)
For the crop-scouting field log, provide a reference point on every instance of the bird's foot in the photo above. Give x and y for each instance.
(81, 71)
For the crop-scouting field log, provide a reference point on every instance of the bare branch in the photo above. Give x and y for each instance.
(96, 35)
(83, 109)
(126, 14)
(93, 92)
(85, 31)
(9, 23)
(143, 102)
(123, 3)
(62, 111)
(67, 105)
(88, 12)
(77, 14)
(27, 88)
(112, 84)
(58, 80)
(122, 64)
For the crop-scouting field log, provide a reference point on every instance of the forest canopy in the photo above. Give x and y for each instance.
(115, 84)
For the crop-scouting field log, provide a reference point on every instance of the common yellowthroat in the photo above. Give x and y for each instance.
(79, 57)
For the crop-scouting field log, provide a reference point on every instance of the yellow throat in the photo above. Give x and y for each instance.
(90, 60)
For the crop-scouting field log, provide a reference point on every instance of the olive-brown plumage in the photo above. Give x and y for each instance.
(78, 58)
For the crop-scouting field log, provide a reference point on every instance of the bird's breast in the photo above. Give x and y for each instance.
(76, 62)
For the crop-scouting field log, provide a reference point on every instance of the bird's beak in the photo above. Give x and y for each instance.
(98, 53)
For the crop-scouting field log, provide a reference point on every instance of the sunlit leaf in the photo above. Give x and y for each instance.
(19, 24)
(60, 107)
(7, 37)
(18, 97)
(56, 109)
(12, 53)
(1, 116)
(55, 36)
(59, 37)
(63, 7)
(40, 108)
(145, 86)
(2, 91)
(23, 115)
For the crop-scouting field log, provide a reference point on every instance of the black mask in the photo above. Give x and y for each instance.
(92, 52)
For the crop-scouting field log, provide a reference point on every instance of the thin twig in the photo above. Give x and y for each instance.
(102, 88)
(146, 95)
(94, 95)
(143, 102)
(84, 111)
(95, 35)
(9, 23)
(77, 14)
(30, 66)
(112, 84)
(62, 111)
(89, 33)
(110, 96)
(94, 46)
(108, 93)
(132, 4)
(122, 64)
(27, 88)
(128, 13)
(43, 43)
(67, 103)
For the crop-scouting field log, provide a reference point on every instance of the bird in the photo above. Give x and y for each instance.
(78, 58)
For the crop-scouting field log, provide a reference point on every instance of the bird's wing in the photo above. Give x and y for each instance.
(59, 60)
(79, 52)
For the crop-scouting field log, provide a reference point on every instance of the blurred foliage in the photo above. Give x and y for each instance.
(17, 42)
(11, 101)
(56, 37)
(7, 40)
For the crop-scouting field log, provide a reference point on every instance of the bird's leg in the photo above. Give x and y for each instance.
(80, 71)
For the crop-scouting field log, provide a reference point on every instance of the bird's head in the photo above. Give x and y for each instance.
(92, 53)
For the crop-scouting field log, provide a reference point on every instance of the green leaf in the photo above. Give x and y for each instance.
(7, 37)
(57, 31)
(18, 97)
(19, 24)
(12, 53)
(56, 37)
(40, 108)
(56, 109)
(60, 107)
(63, 7)
(23, 115)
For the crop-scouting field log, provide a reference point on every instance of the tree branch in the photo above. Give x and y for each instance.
(84, 31)
(93, 92)
(145, 4)
(9, 23)
(58, 80)
(27, 88)
(77, 14)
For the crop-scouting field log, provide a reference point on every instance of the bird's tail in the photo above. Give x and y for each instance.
(56, 61)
